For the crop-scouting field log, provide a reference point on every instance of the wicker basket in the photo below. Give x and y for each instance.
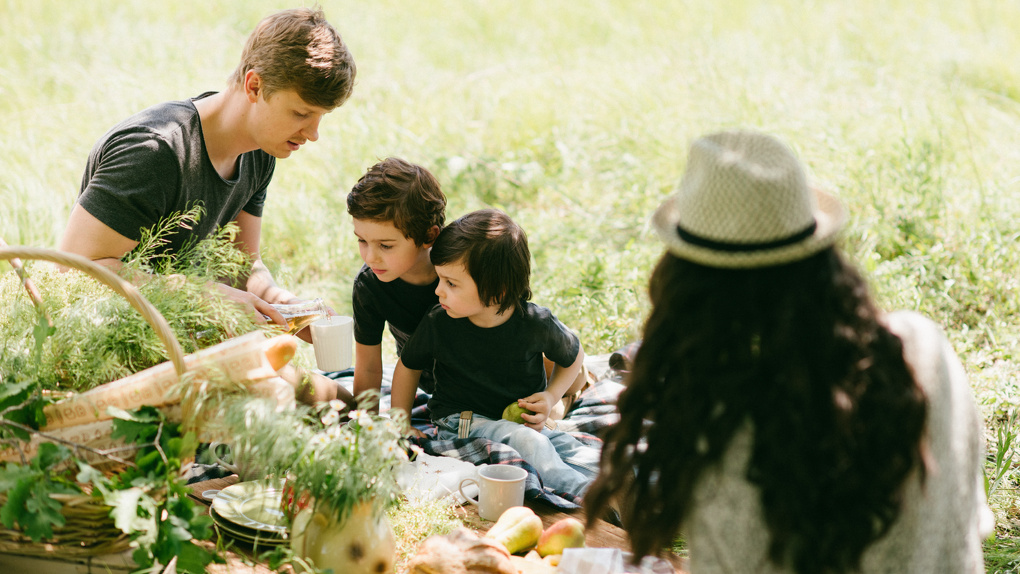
(89, 530)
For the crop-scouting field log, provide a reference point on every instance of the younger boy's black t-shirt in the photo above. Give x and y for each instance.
(485, 369)
(397, 303)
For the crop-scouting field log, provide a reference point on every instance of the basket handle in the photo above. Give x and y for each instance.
(113, 281)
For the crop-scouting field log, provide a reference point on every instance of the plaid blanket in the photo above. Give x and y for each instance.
(593, 411)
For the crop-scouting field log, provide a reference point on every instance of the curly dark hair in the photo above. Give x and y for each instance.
(798, 351)
(402, 193)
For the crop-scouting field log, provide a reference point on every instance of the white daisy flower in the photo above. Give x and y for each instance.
(331, 418)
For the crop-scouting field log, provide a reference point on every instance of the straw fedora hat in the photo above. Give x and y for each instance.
(744, 202)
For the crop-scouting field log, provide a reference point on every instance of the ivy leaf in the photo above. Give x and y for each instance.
(133, 432)
(87, 473)
(141, 415)
(15, 505)
(43, 513)
(16, 390)
(14, 473)
(50, 455)
(192, 559)
(126, 505)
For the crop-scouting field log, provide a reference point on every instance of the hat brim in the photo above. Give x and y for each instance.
(830, 218)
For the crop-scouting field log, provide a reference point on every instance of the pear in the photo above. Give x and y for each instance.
(565, 533)
(518, 529)
(513, 411)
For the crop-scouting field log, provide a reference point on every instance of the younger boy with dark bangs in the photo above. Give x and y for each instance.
(486, 341)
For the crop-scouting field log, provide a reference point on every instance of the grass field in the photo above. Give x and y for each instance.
(575, 118)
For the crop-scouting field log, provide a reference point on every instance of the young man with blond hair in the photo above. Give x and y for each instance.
(217, 150)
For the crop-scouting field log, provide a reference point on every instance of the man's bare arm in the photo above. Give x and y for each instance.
(260, 280)
(89, 237)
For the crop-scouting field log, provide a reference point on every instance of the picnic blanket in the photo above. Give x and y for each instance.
(593, 411)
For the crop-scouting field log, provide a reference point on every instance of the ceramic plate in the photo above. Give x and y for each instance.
(246, 535)
(254, 504)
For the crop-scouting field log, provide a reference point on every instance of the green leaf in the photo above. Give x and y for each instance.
(133, 432)
(149, 460)
(178, 529)
(88, 474)
(15, 505)
(125, 508)
(201, 526)
(41, 332)
(140, 415)
(43, 513)
(193, 559)
(50, 455)
(16, 390)
(14, 473)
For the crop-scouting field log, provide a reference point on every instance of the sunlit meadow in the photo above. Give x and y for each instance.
(575, 117)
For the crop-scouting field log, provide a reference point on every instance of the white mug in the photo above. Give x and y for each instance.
(500, 486)
(333, 339)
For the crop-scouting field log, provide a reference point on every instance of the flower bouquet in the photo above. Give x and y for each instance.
(340, 468)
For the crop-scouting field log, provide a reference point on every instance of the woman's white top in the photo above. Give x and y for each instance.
(942, 522)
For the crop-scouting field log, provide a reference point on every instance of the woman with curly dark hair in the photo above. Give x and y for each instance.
(773, 414)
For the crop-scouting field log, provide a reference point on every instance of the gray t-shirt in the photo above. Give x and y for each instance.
(155, 163)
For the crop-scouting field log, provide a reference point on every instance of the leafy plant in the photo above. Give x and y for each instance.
(339, 458)
(1006, 446)
(148, 499)
(97, 337)
(29, 506)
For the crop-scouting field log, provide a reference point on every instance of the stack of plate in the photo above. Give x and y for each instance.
(250, 512)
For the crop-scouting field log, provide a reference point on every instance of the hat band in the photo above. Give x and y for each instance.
(737, 247)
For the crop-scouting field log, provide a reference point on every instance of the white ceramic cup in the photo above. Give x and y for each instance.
(500, 486)
(333, 339)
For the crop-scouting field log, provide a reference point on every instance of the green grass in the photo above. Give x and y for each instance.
(576, 118)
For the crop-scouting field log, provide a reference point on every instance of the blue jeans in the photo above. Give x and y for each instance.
(563, 463)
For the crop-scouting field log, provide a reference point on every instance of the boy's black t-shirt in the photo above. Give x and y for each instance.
(485, 369)
(397, 303)
(155, 163)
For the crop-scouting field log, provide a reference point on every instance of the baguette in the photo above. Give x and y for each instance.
(245, 358)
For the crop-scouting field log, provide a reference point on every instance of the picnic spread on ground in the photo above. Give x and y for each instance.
(262, 512)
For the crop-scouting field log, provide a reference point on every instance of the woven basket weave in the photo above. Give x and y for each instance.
(89, 530)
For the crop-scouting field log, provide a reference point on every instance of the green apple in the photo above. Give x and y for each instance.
(513, 412)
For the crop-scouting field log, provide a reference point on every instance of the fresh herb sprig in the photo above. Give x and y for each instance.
(340, 458)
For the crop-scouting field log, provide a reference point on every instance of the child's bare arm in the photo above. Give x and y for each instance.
(542, 402)
(368, 368)
(405, 383)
